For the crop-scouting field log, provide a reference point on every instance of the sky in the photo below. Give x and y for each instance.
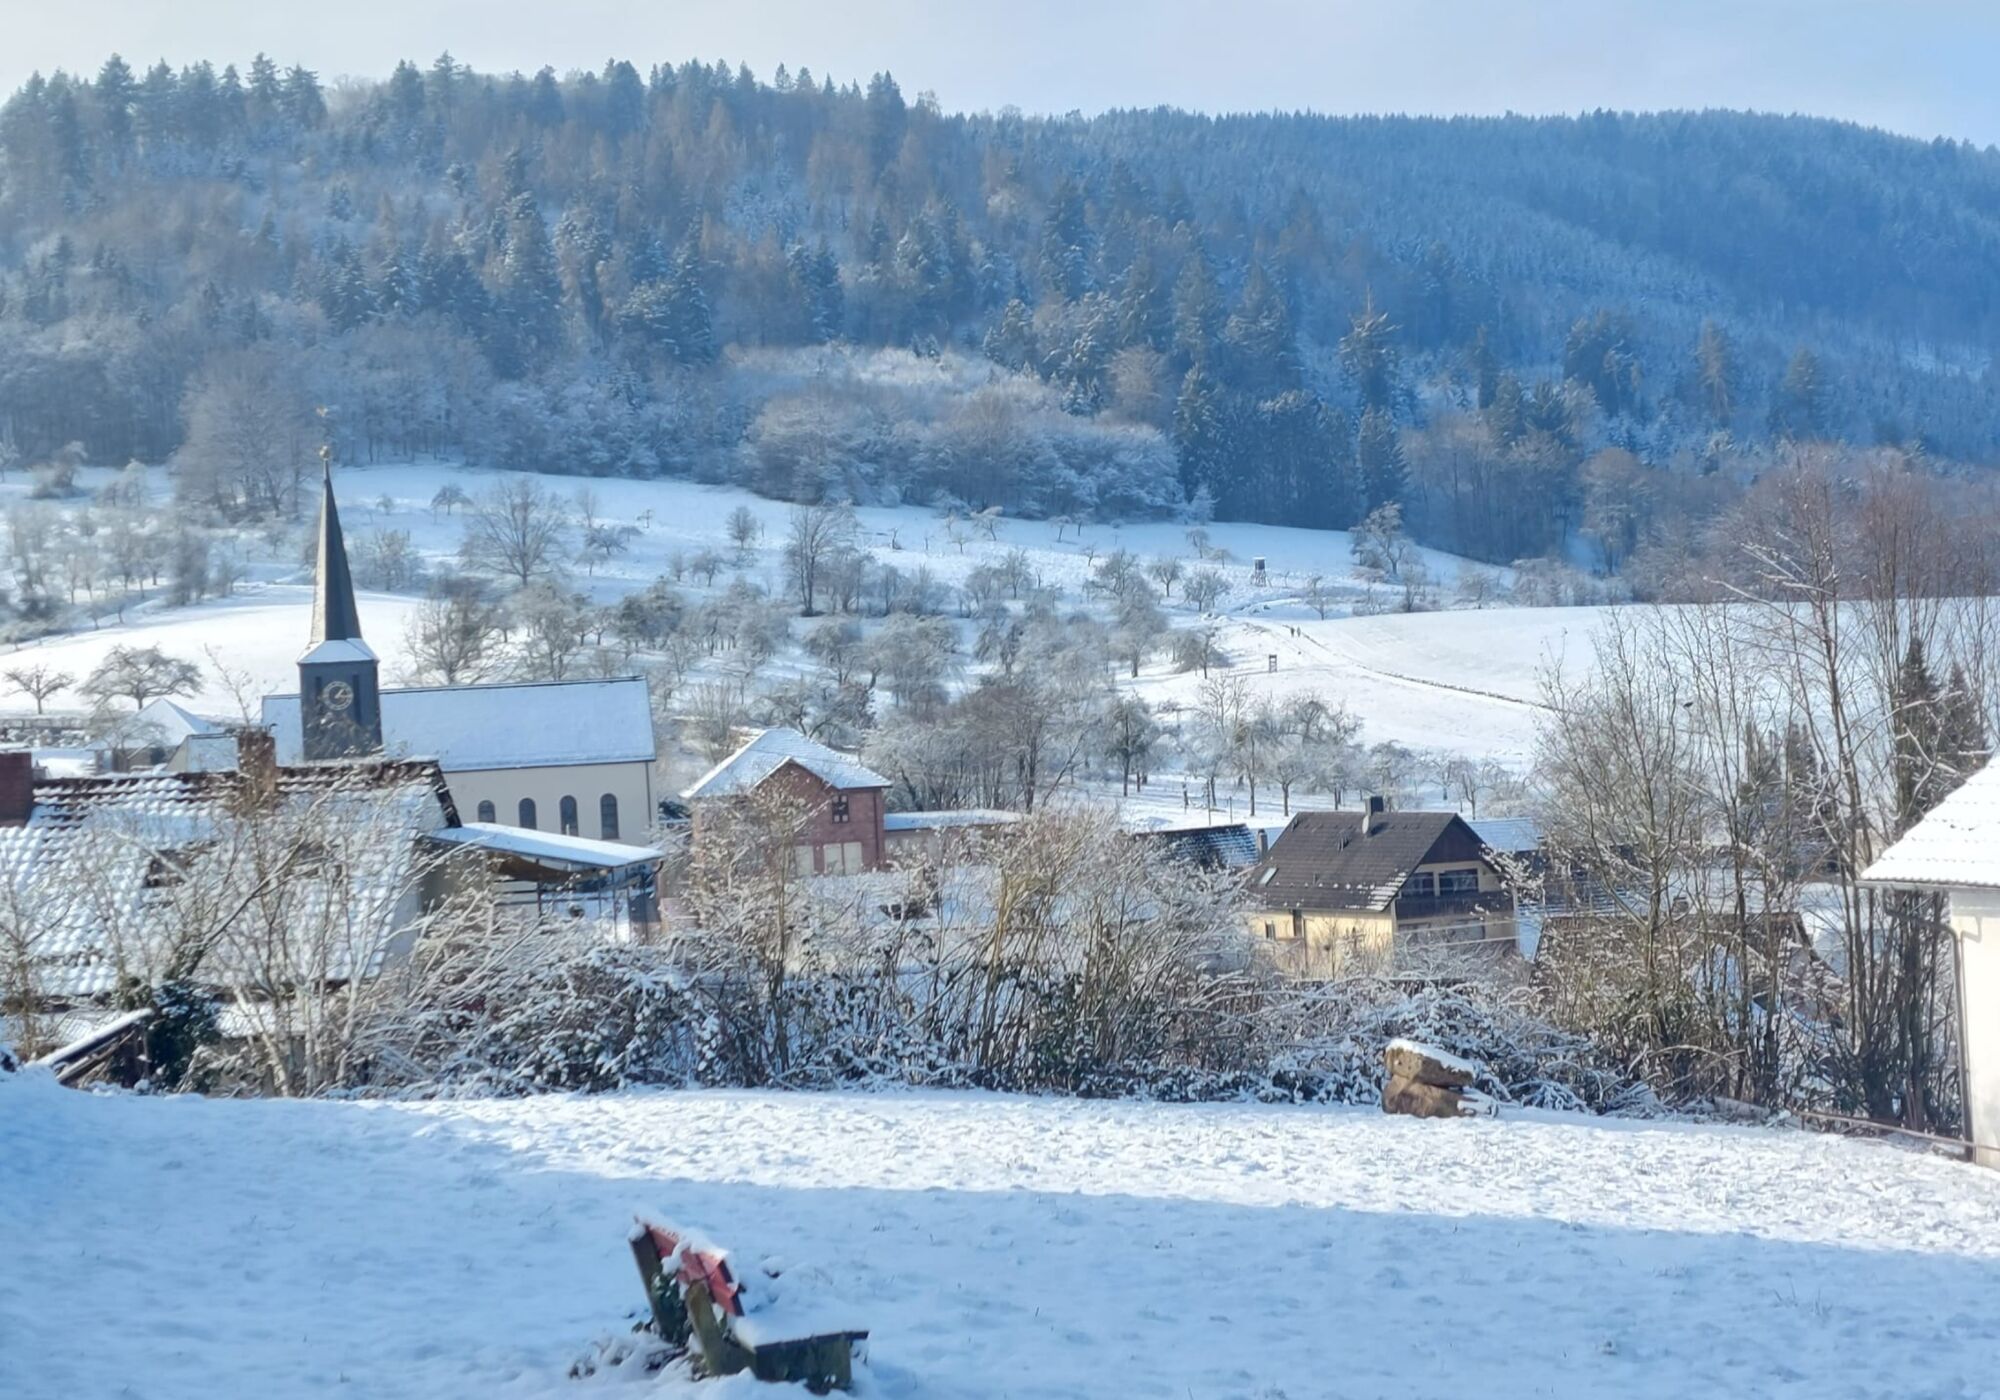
(1921, 67)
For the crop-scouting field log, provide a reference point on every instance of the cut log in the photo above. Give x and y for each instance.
(1426, 1064)
(1407, 1096)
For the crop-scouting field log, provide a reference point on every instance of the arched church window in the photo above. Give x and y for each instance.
(567, 810)
(528, 813)
(607, 816)
(486, 812)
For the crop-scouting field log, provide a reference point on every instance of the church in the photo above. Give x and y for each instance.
(574, 758)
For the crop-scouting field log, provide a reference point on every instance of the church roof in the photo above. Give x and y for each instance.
(335, 617)
(470, 728)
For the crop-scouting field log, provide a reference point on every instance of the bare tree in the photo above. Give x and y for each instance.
(745, 529)
(453, 637)
(1205, 588)
(516, 530)
(817, 533)
(140, 674)
(449, 498)
(39, 681)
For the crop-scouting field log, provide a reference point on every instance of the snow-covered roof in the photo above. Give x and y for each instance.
(89, 874)
(337, 649)
(1507, 835)
(772, 749)
(163, 722)
(470, 728)
(550, 846)
(1956, 846)
(933, 821)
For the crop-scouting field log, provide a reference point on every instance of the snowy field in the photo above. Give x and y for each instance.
(247, 644)
(179, 1247)
(1460, 681)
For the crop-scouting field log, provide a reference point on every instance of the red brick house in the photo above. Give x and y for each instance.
(843, 832)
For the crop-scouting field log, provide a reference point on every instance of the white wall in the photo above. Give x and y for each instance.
(630, 783)
(1975, 915)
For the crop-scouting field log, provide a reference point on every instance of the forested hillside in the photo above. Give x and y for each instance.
(1537, 336)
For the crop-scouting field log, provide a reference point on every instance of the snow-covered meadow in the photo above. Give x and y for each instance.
(183, 1247)
(1461, 681)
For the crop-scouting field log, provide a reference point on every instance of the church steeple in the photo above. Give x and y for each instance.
(340, 700)
(335, 618)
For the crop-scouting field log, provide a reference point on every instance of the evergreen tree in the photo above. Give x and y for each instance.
(1066, 243)
(1145, 306)
(1485, 366)
(1507, 416)
(1599, 353)
(116, 91)
(885, 118)
(1012, 341)
(1378, 453)
(1799, 410)
(815, 281)
(300, 98)
(624, 99)
(1715, 376)
(1369, 357)
(1198, 313)
(1201, 436)
(1262, 351)
(528, 297)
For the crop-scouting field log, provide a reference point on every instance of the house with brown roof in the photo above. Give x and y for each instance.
(1380, 891)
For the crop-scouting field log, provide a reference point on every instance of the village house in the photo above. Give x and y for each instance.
(1379, 891)
(570, 757)
(1954, 852)
(97, 873)
(845, 827)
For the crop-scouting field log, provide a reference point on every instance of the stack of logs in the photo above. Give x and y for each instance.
(1427, 1083)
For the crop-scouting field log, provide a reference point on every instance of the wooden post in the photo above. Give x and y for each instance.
(661, 1296)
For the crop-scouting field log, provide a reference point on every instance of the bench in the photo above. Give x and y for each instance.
(697, 1300)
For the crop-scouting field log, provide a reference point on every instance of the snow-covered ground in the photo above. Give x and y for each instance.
(180, 1247)
(1462, 681)
(248, 642)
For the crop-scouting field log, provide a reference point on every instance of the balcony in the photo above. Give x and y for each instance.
(1426, 908)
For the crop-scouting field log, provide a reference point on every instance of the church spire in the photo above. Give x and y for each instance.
(335, 618)
(340, 700)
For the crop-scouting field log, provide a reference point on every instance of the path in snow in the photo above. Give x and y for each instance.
(998, 1247)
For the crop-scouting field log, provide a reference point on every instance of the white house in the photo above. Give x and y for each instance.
(1955, 851)
(570, 757)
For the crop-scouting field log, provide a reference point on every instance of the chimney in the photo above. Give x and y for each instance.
(17, 787)
(1372, 808)
(257, 766)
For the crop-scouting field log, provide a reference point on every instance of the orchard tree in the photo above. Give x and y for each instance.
(39, 681)
(140, 674)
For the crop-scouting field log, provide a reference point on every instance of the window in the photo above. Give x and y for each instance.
(1420, 884)
(487, 814)
(528, 813)
(841, 811)
(607, 817)
(1458, 882)
(1270, 929)
(566, 814)
(850, 857)
(802, 857)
